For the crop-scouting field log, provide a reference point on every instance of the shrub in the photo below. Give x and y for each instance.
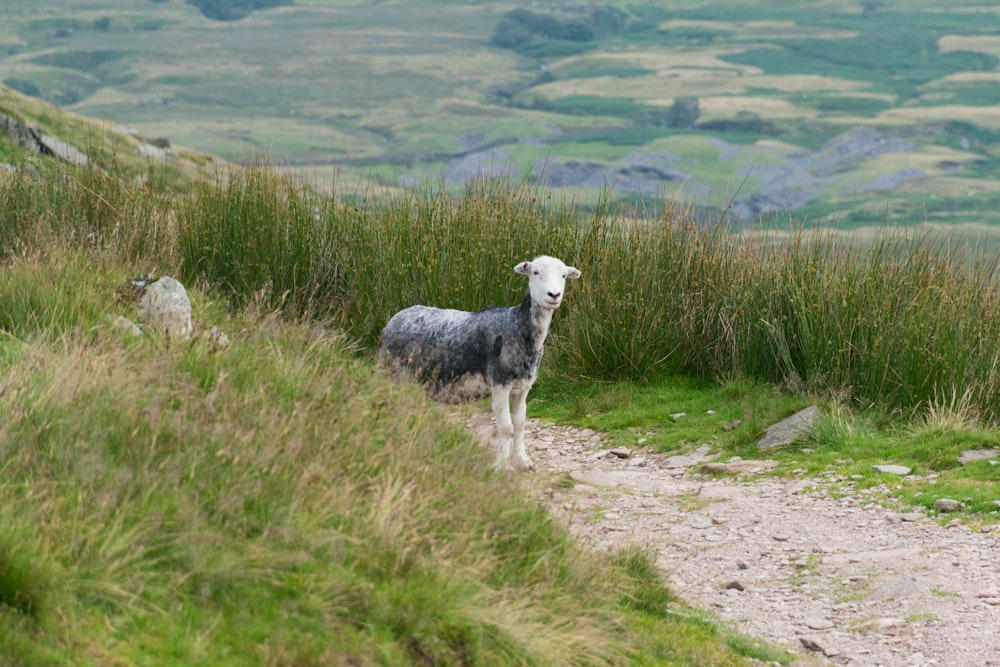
(233, 10)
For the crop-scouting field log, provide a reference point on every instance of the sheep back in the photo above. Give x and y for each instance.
(445, 347)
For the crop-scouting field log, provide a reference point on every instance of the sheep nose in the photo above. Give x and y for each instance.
(555, 295)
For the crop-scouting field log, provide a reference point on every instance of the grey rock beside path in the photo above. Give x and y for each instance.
(947, 505)
(890, 469)
(787, 430)
(695, 457)
(973, 455)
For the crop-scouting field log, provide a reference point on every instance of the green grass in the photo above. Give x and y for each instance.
(274, 502)
(731, 417)
(670, 414)
(180, 503)
(896, 320)
(902, 58)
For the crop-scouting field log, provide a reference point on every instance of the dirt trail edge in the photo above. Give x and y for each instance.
(837, 580)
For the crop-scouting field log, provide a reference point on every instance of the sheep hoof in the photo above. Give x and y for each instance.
(524, 464)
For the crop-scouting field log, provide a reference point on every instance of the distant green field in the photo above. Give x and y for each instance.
(397, 92)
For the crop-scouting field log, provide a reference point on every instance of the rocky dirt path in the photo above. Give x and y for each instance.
(836, 580)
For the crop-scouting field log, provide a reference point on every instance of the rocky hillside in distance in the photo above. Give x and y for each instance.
(35, 134)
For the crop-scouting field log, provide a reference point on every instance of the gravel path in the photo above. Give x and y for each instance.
(836, 580)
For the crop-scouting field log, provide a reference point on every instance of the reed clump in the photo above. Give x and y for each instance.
(893, 320)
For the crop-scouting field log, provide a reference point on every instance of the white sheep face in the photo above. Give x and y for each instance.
(547, 280)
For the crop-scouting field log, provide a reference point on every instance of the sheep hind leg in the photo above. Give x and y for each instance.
(504, 427)
(521, 459)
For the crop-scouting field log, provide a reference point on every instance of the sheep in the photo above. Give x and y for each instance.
(496, 351)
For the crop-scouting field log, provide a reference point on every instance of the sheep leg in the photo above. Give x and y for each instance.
(504, 426)
(521, 459)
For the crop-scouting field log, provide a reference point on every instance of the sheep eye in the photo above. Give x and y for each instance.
(535, 273)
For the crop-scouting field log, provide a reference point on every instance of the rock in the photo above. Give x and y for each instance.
(638, 172)
(735, 585)
(902, 471)
(787, 430)
(739, 467)
(812, 643)
(31, 138)
(60, 149)
(159, 142)
(155, 152)
(677, 415)
(900, 587)
(217, 336)
(732, 425)
(885, 623)
(970, 455)
(490, 162)
(947, 505)
(798, 486)
(742, 564)
(818, 624)
(692, 458)
(621, 452)
(166, 307)
(125, 324)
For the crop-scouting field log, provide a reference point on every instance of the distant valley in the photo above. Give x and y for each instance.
(844, 113)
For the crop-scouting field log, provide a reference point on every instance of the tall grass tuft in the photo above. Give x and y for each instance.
(355, 262)
(86, 208)
(896, 320)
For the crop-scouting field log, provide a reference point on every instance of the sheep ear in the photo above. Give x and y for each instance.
(572, 272)
(523, 268)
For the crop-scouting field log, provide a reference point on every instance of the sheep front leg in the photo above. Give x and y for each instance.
(504, 426)
(521, 459)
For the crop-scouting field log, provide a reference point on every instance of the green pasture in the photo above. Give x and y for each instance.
(392, 84)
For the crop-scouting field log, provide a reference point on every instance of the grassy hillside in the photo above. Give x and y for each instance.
(389, 91)
(267, 502)
(275, 502)
(271, 502)
(102, 145)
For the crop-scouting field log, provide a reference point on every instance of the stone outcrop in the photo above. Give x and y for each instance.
(31, 138)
